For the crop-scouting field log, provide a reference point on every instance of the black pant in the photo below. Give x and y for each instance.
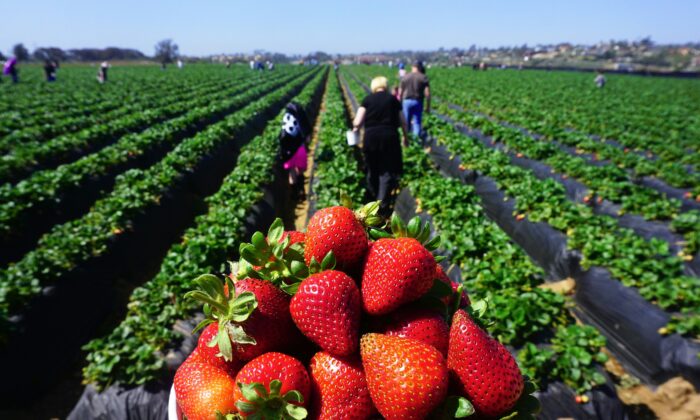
(381, 186)
(383, 161)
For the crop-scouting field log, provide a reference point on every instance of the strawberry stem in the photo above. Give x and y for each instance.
(270, 405)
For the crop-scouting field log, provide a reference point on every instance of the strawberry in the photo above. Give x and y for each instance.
(272, 384)
(252, 320)
(420, 324)
(211, 354)
(202, 390)
(396, 271)
(339, 388)
(327, 309)
(482, 368)
(270, 324)
(406, 378)
(336, 229)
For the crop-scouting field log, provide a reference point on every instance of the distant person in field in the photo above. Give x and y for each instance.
(600, 80)
(50, 70)
(381, 115)
(293, 138)
(10, 69)
(402, 70)
(102, 72)
(415, 94)
(179, 64)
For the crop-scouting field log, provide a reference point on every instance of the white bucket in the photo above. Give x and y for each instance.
(353, 137)
(174, 412)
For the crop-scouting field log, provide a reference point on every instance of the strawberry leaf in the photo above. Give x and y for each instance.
(274, 234)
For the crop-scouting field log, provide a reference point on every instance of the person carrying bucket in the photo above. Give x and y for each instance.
(381, 115)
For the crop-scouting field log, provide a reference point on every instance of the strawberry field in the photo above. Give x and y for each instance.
(543, 258)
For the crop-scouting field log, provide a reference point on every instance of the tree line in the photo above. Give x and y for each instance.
(75, 54)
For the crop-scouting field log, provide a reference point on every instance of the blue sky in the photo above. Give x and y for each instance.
(215, 26)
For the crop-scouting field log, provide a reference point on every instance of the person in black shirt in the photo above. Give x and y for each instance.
(382, 116)
(50, 71)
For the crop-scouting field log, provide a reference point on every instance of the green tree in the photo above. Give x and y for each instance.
(20, 52)
(166, 51)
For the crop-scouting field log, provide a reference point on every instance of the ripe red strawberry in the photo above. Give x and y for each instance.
(336, 229)
(339, 388)
(201, 390)
(396, 271)
(420, 324)
(265, 369)
(482, 368)
(270, 324)
(406, 378)
(211, 355)
(327, 309)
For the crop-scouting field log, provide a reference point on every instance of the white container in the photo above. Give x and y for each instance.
(174, 412)
(353, 137)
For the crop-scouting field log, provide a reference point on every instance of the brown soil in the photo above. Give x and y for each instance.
(302, 208)
(563, 287)
(675, 399)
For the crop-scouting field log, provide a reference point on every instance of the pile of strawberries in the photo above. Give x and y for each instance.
(345, 321)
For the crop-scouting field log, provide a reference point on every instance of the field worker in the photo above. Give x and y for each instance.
(415, 90)
(50, 71)
(381, 115)
(600, 80)
(10, 69)
(295, 133)
(402, 70)
(102, 72)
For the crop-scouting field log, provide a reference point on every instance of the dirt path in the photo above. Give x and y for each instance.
(301, 211)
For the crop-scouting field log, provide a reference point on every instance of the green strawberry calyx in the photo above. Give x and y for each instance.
(261, 404)
(454, 407)
(368, 214)
(229, 310)
(415, 229)
(271, 257)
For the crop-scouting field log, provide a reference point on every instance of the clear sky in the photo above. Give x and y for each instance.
(202, 27)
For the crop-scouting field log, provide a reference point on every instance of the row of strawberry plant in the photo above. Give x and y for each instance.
(497, 270)
(69, 245)
(115, 105)
(50, 186)
(549, 120)
(336, 168)
(40, 103)
(648, 114)
(65, 148)
(133, 353)
(645, 265)
(76, 93)
(605, 181)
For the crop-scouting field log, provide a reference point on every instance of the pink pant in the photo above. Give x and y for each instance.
(299, 160)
